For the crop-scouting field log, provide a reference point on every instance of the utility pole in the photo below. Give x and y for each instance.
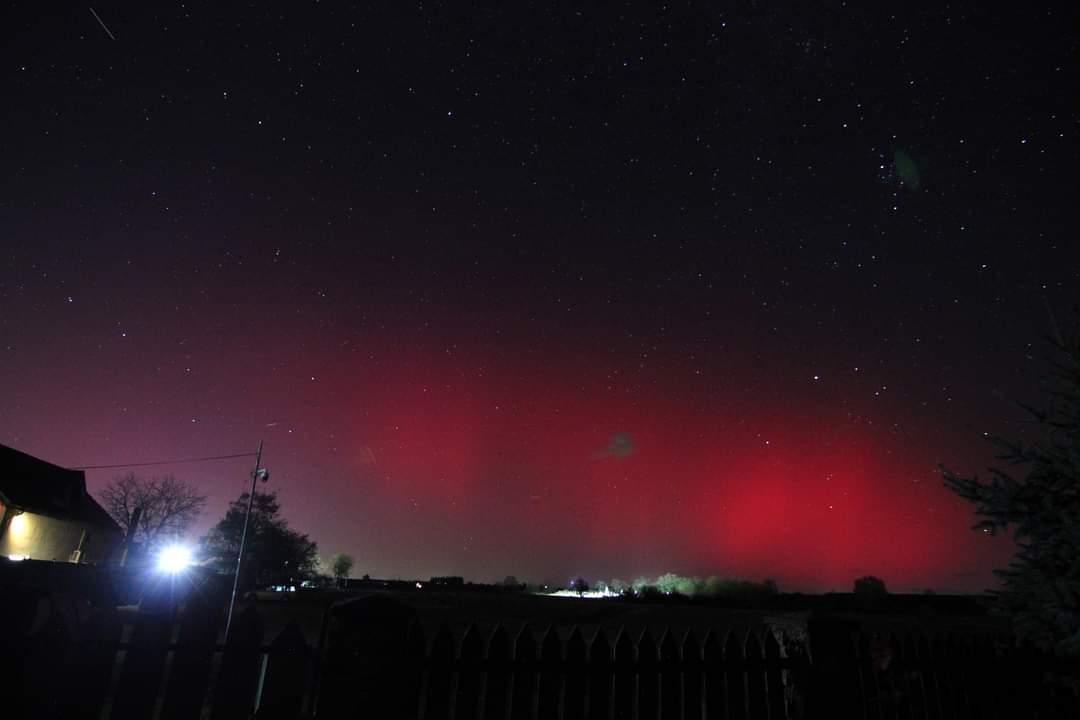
(133, 525)
(257, 474)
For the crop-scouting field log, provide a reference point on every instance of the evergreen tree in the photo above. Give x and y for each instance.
(274, 553)
(1039, 498)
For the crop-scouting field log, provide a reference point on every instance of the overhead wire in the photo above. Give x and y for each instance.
(181, 461)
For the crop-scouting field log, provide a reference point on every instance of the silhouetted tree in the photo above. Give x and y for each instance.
(870, 586)
(712, 586)
(579, 585)
(1041, 502)
(341, 564)
(169, 506)
(274, 554)
(670, 583)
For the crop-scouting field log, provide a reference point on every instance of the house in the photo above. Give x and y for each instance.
(47, 514)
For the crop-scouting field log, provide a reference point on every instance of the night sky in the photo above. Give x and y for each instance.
(707, 288)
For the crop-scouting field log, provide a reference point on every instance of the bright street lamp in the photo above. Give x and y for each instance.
(174, 559)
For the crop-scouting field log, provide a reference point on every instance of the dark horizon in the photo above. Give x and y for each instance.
(546, 293)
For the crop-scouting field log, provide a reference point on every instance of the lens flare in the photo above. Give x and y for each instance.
(174, 559)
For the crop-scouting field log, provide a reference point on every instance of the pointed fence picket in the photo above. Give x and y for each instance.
(376, 658)
(281, 688)
(577, 673)
(601, 677)
(499, 675)
(160, 665)
(626, 685)
(671, 677)
(525, 675)
(693, 678)
(141, 673)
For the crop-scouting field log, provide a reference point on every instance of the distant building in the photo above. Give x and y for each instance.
(47, 514)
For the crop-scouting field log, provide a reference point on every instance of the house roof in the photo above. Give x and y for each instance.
(37, 486)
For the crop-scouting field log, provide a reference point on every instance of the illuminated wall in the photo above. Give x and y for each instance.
(40, 537)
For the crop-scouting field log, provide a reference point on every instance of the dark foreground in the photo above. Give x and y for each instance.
(70, 652)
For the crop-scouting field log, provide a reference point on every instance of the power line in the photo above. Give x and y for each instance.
(165, 462)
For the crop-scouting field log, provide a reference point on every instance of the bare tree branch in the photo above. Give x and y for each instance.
(169, 506)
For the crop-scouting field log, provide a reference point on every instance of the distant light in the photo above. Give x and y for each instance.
(588, 594)
(419, 586)
(174, 559)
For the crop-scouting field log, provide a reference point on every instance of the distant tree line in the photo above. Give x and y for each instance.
(691, 586)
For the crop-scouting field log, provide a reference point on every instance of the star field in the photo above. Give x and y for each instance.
(702, 288)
